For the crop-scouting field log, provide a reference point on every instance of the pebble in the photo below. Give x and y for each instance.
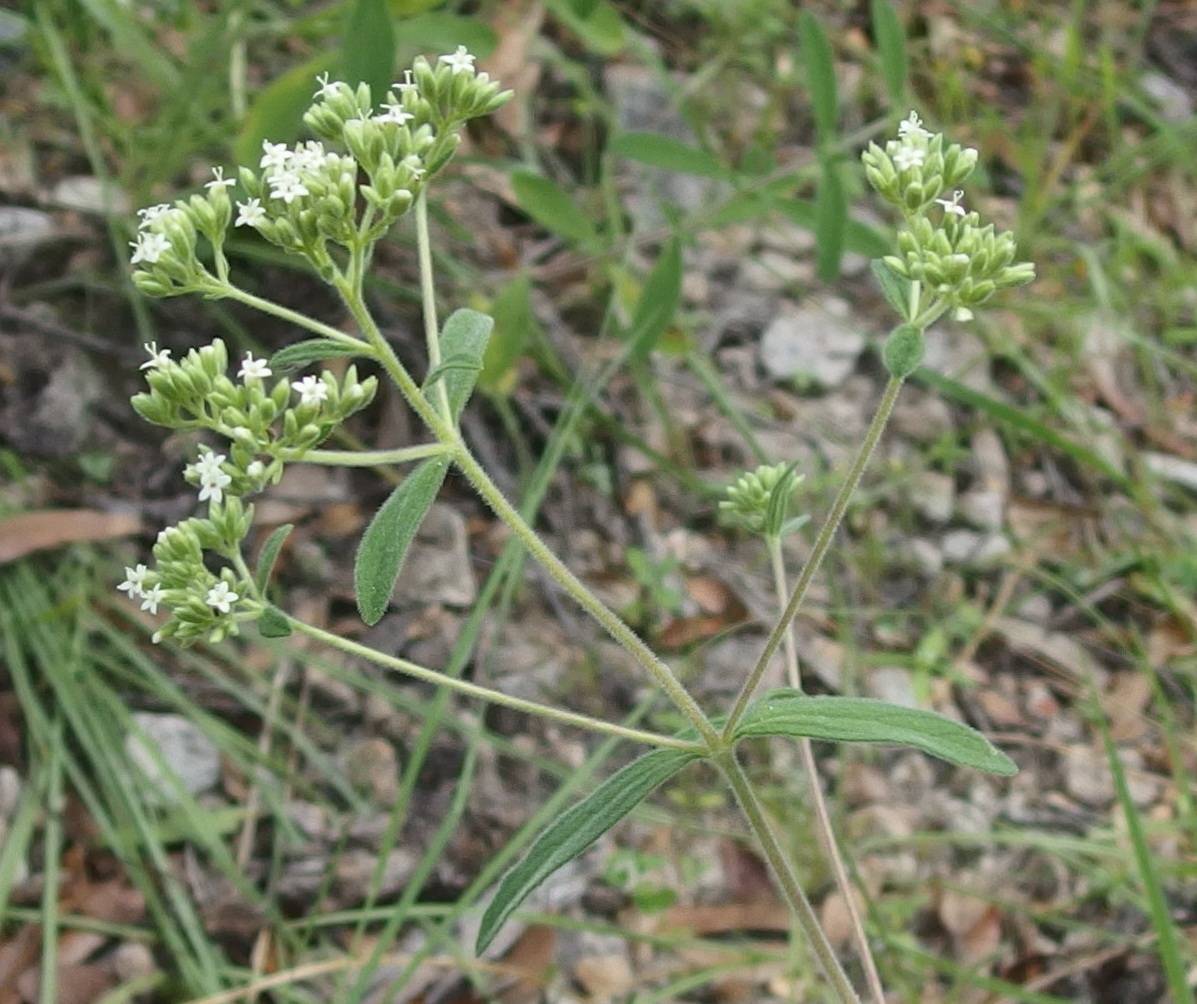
(22, 230)
(984, 508)
(815, 342)
(10, 791)
(970, 549)
(1087, 776)
(438, 569)
(933, 495)
(1174, 469)
(893, 684)
(90, 195)
(181, 746)
(923, 555)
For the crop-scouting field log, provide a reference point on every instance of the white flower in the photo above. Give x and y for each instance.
(148, 248)
(327, 88)
(253, 369)
(221, 597)
(952, 205)
(151, 598)
(212, 480)
(274, 155)
(219, 180)
(459, 61)
(159, 358)
(151, 213)
(311, 390)
(308, 157)
(250, 214)
(907, 157)
(394, 113)
(407, 84)
(413, 163)
(911, 129)
(287, 186)
(134, 579)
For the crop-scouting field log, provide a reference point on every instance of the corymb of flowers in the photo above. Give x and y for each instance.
(327, 201)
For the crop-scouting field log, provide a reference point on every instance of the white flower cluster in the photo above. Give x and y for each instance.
(137, 588)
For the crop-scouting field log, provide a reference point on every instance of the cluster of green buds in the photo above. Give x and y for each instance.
(759, 501)
(946, 259)
(266, 425)
(309, 198)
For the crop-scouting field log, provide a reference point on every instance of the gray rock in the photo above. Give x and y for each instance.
(90, 195)
(923, 554)
(1087, 776)
(438, 567)
(162, 743)
(893, 684)
(921, 416)
(814, 342)
(984, 508)
(1174, 101)
(956, 352)
(1174, 469)
(974, 550)
(773, 271)
(933, 495)
(22, 230)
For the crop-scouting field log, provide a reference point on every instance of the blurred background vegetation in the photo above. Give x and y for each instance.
(259, 822)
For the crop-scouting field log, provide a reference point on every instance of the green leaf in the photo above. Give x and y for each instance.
(831, 222)
(596, 23)
(891, 49)
(863, 720)
(302, 354)
(464, 338)
(576, 829)
(820, 75)
(269, 555)
(896, 288)
(666, 153)
(441, 31)
(552, 207)
(385, 544)
(273, 624)
(658, 301)
(515, 324)
(368, 49)
(861, 238)
(277, 111)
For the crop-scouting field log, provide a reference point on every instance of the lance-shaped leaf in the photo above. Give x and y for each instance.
(463, 345)
(575, 830)
(863, 720)
(387, 539)
(301, 354)
(269, 555)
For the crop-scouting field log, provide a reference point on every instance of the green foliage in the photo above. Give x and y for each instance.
(387, 539)
(269, 555)
(890, 37)
(276, 112)
(863, 720)
(658, 302)
(667, 153)
(895, 288)
(831, 221)
(515, 326)
(273, 624)
(552, 207)
(903, 350)
(596, 23)
(820, 75)
(464, 336)
(368, 50)
(314, 350)
(576, 829)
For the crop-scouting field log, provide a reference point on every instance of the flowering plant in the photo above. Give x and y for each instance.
(328, 201)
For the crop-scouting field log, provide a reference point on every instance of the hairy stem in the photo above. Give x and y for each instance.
(365, 458)
(778, 862)
(486, 693)
(232, 292)
(822, 816)
(818, 553)
(432, 331)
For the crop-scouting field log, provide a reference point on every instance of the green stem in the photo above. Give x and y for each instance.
(818, 553)
(786, 879)
(364, 458)
(486, 693)
(428, 299)
(287, 314)
(822, 816)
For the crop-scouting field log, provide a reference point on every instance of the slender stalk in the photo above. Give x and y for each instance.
(822, 816)
(232, 292)
(818, 553)
(755, 814)
(486, 693)
(365, 458)
(432, 331)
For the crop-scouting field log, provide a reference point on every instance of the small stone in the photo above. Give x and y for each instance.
(984, 508)
(1087, 776)
(22, 231)
(816, 343)
(90, 195)
(438, 569)
(10, 791)
(1174, 101)
(893, 684)
(133, 960)
(372, 765)
(921, 416)
(974, 550)
(933, 495)
(605, 977)
(923, 555)
(1174, 469)
(775, 272)
(178, 744)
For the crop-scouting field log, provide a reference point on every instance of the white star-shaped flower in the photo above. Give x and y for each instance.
(134, 580)
(274, 156)
(150, 598)
(250, 214)
(394, 113)
(148, 248)
(219, 180)
(459, 61)
(254, 369)
(159, 358)
(405, 85)
(952, 205)
(911, 128)
(221, 597)
(327, 88)
(907, 157)
(311, 390)
(151, 213)
(287, 186)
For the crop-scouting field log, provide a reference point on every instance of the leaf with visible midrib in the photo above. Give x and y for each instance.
(891, 47)
(820, 75)
(576, 829)
(864, 720)
(301, 354)
(464, 338)
(385, 544)
(552, 207)
(270, 552)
